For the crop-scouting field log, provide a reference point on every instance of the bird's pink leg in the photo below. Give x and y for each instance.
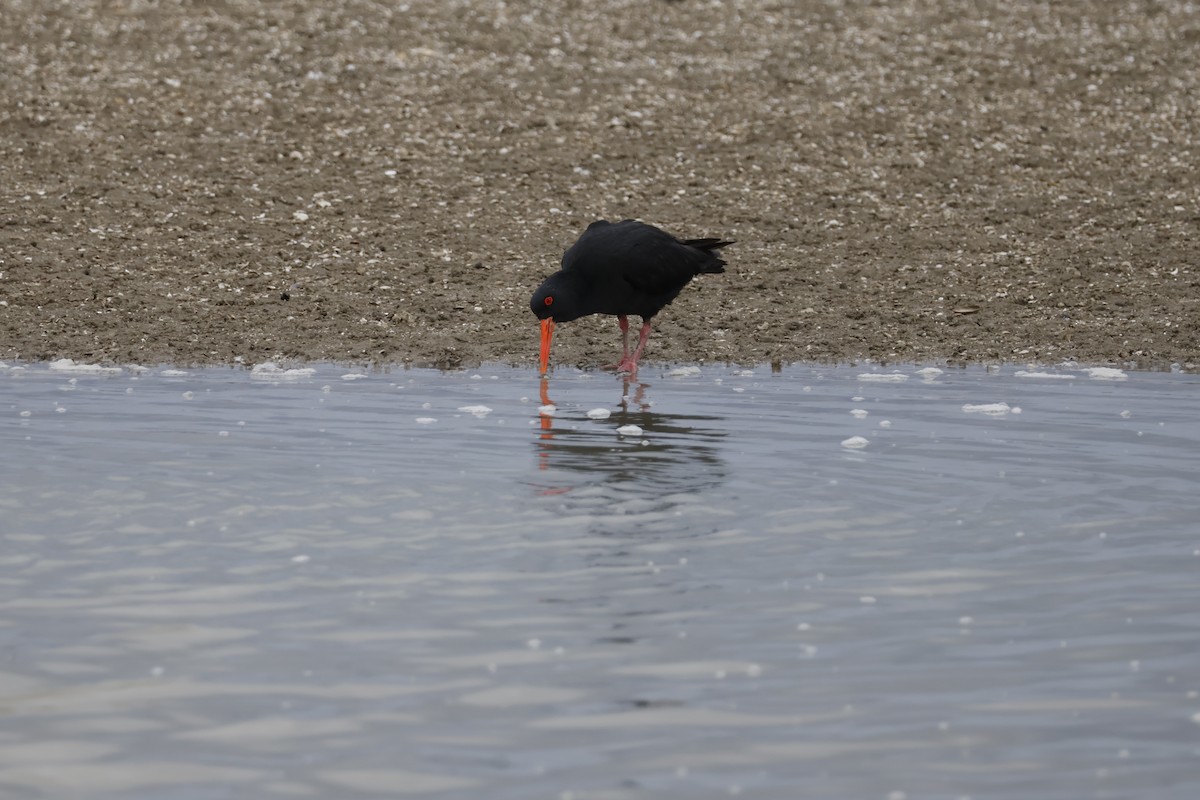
(623, 321)
(643, 335)
(630, 363)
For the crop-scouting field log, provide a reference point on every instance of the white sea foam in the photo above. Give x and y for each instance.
(477, 411)
(992, 409)
(68, 365)
(883, 377)
(855, 443)
(1023, 373)
(1106, 374)
(630, 430)
(269, 370)
(599, 413)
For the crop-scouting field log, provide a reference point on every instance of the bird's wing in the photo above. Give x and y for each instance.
(578, 253)
(661, 263)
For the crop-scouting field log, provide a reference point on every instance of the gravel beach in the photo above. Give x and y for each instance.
(936, 181)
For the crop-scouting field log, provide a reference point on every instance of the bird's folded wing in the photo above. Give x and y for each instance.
(655, 268)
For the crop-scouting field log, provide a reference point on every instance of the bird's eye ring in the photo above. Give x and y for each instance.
(549, 300)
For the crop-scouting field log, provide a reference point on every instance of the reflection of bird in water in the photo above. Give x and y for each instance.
(677, 453)
(638, 397)
(621, 268)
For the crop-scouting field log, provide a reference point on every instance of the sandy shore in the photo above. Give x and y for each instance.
(942, 181)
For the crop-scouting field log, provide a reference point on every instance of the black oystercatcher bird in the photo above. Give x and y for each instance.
(621, 268)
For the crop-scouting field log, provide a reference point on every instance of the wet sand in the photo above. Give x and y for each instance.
(938, 182)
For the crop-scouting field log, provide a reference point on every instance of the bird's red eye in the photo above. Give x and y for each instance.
(549, 300)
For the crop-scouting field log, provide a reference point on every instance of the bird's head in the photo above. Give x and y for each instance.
(542, 303)
(556, 299)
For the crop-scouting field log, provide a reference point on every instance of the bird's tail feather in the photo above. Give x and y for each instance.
(709, 245)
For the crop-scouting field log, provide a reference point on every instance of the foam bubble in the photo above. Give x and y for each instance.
(1022, 373)
(269, 370)
(992, 409)
(68, 365)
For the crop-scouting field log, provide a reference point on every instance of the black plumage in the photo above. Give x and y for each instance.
(622, 268)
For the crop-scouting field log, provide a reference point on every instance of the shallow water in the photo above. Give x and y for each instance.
(332, 583)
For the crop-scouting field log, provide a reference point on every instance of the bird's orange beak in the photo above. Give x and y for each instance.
(547, 335)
